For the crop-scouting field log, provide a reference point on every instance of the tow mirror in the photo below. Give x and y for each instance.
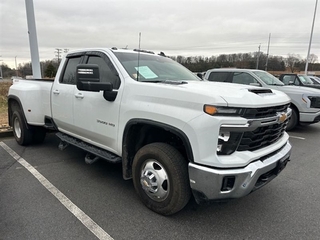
(200, 75)
(88, 79)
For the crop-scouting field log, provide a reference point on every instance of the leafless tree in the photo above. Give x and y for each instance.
(291, 60)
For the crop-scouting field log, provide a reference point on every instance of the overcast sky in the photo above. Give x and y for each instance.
(176, 27)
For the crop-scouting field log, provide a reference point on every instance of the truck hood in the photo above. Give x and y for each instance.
(316, 86)
(234, 95)
(289, 89)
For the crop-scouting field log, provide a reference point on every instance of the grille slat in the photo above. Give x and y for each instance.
(264, 112)
(272, 134)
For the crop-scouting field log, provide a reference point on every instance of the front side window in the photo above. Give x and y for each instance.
(243, 78)
(69, 75)
(106, 73)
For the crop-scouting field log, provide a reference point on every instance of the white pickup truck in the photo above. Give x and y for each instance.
(174, 134)
(305, 101)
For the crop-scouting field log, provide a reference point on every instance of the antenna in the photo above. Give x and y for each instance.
(139, 57)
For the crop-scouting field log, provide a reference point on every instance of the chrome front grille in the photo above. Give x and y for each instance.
(264, 127)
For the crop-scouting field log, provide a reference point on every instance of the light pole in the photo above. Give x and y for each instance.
(258, 56)
(314, 17)
(15, 60)
(33, 41)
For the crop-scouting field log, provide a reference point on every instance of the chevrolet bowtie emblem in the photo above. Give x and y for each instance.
(282, 117)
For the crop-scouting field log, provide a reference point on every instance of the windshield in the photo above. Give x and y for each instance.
(268, 78)
(305, 79)
(154, 68)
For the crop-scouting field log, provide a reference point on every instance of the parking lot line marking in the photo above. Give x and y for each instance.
(301, 138)
(77, 212)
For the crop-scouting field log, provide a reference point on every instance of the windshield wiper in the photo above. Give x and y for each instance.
(276, 84)
(175, 82)
(165, 81)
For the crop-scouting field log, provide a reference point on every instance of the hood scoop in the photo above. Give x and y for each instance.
(260, 90)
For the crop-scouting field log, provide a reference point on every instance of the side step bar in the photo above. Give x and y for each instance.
(98, 152)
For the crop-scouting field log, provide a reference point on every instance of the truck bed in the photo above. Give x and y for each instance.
(34, 96)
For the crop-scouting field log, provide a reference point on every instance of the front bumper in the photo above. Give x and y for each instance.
(309, 117)
(217, 184)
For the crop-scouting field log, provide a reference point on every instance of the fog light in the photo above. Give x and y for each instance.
(227, 183)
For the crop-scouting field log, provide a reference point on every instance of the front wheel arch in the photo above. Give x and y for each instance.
(140, 132)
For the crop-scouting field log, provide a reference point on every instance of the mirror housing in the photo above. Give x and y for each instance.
(255, 84)
(88, 79)
(200, 75)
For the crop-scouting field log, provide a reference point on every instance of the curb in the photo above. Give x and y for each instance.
(6, 133)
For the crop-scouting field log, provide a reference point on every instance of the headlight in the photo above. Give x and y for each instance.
(223, 111)
(228, 142)
(314, 102)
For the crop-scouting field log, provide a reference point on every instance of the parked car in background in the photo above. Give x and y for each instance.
(305, 102)
(298, 80)
(315, 79)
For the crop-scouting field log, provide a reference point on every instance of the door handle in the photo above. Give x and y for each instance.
(79, 95)
(56, 92)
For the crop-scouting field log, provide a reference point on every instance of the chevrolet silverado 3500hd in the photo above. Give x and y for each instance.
(174, 134)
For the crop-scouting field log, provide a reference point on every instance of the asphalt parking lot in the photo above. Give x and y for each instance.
(46, 193)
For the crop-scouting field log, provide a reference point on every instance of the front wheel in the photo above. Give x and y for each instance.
(160, 178)
(293, 121)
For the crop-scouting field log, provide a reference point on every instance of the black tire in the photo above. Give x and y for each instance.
(160, 178)
(21, 132)
(39, 134)
(293, 121)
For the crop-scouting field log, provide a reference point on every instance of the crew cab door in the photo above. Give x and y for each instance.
(95, 117)
(62, 94)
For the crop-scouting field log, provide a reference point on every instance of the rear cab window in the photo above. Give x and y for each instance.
(219, 76)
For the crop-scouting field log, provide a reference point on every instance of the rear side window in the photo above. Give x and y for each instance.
(69, 75)
(286, 79)
(218, 76)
